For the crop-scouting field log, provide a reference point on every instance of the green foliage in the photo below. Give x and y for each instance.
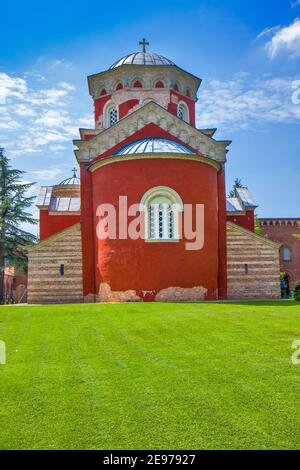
(297, 291)
(257, 226)
(14, 205)
(237, 184)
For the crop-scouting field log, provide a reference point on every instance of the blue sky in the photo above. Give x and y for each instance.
(247, 53)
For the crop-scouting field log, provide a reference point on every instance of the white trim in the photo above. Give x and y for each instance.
(106, 112)
(176, 205)
(184, 107)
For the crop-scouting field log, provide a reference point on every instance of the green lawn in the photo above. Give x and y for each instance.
(150, 376)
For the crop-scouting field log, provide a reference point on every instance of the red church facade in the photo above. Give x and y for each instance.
(144, 148)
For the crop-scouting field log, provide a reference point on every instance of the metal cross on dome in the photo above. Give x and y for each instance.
(144, 43)
(74, 172)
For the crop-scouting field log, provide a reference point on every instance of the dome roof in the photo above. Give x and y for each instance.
(154, 145)
(142, 58)
(72, 180)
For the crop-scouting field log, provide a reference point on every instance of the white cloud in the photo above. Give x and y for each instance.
(36, 116)
(10, 86)
(268, 32)
(246, 102)
(285, 40)
(45, 175)
(295, 3)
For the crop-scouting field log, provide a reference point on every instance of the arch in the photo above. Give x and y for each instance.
(110, 114)
(119, 86)
(188, 93)
(137, 84)
(176, 86)
(285, 283)
(162, 207)
(159, 84)
(103, 92)
(183, 111)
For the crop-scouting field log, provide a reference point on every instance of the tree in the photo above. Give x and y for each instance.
(236, 185)
(14, 203)
(297, 291)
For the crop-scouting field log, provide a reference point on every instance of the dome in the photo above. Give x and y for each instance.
(154, 145)
(142, 58)
(72, 180)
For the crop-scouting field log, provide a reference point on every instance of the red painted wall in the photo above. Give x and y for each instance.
(52, 224)
(99, 104)
(222, 249)
(87, 231)
(124, 108)
(246, 220)
(189, 102)
(140, 265)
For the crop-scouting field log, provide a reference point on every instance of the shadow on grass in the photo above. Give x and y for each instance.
(267, 303)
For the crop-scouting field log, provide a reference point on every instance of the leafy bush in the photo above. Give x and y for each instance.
(297, 291)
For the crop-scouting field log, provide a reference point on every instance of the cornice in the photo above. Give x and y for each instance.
(150, 113)
(152, 156)
(146, 73)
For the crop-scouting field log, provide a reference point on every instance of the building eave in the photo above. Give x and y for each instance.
(152, 112)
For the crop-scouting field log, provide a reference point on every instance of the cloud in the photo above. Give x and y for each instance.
(36, 116)
(268, 32)
(295, 3)
(285, 40)
(45, 175)
(246, 102)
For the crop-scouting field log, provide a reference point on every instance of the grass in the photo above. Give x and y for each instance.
(150, 376)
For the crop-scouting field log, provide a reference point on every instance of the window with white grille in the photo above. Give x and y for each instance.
(161, 220)
(182, 112)
(113, 116)
(162, 207)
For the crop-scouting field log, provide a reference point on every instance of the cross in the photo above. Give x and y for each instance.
(144, 43)
(74, 172)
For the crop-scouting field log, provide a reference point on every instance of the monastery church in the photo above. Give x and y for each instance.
(145, 148)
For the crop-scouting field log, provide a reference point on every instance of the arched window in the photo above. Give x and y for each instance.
(119, 86)
(188, 93)
(286, 253)
(162, 207)
(103, 92)
(159, 84)
(183, 112)
(176, 87)
(111, 115)
(137, 84)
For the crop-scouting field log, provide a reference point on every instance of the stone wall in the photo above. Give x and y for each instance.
(283, 231)
(253, 265)
(46, 284)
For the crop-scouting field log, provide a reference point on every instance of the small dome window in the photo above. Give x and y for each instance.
(119, 86)
(103, 92)
(176, 88)
(159, 84)
(137, 84)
